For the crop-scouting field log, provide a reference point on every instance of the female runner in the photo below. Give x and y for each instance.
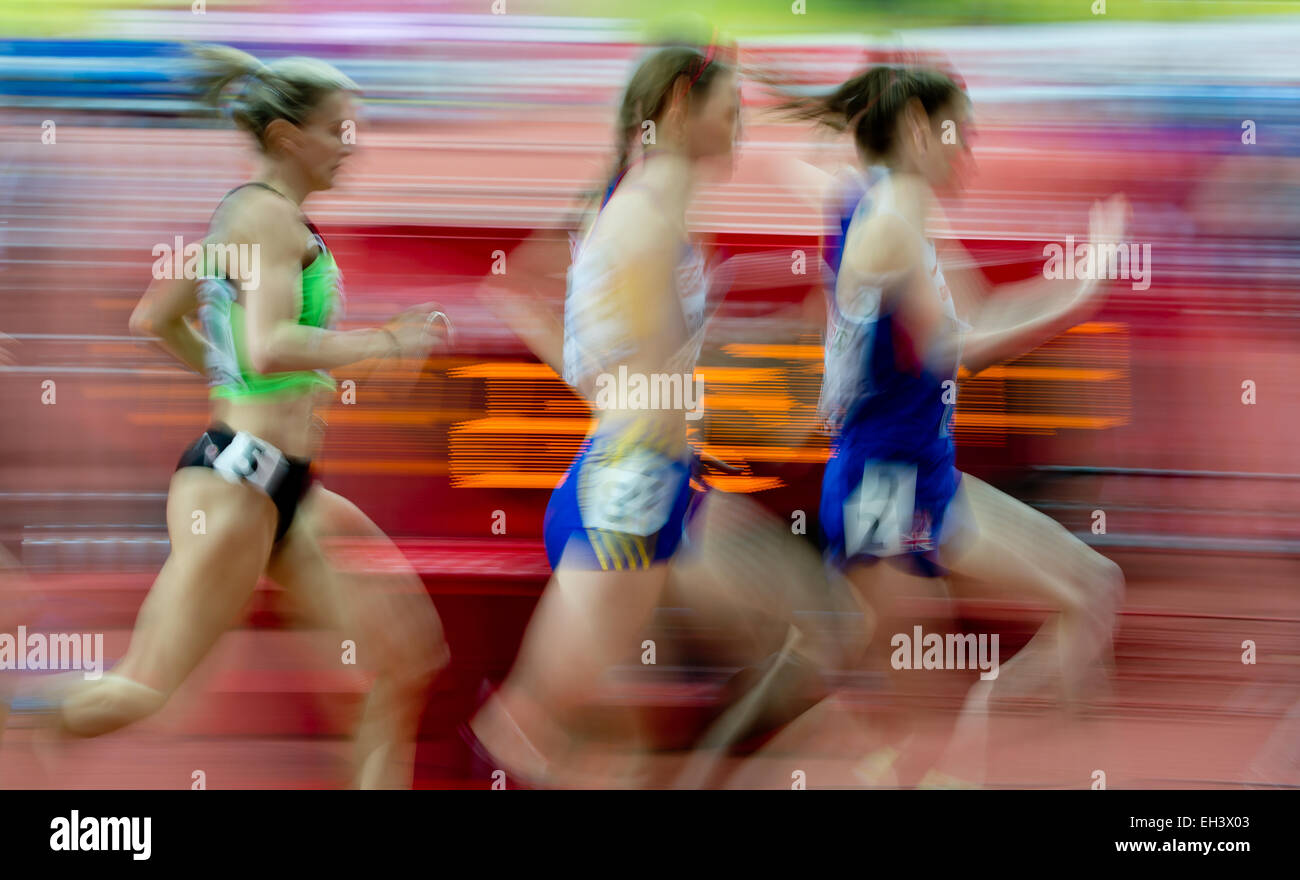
(635, 303)
(265, 350)
(891, 493)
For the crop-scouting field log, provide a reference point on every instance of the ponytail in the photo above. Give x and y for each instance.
(288, 89)
(870, 104)
(647, 94)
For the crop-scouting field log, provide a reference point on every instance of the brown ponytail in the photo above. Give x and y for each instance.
(870, 104)
(647, 94)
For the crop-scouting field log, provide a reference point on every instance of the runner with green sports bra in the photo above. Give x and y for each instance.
(244, 395)
(266, 348)
(230, 369)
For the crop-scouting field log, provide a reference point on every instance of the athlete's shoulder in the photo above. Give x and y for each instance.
(885, 244)
(632, 227)
(255, 196)
(256, 214)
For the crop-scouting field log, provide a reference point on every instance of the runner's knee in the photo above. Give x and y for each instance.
(418, 661)
(1105, 582)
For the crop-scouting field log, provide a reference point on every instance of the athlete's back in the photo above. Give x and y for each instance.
(608, 310)
(888, 389)
(876, 375)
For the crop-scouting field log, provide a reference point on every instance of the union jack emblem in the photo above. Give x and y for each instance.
(919, 540)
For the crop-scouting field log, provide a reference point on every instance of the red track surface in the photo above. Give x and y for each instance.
(270, 709)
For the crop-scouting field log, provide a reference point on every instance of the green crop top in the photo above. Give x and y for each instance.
(230, 371)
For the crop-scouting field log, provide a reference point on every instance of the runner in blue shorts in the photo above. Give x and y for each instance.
(894, 509)
(633, 327)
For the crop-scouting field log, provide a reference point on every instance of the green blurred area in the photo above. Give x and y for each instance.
(71, 18)
(777, 17)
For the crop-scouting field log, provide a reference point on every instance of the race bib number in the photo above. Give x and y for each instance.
(253, 461)
(633, 495)
(878, 515)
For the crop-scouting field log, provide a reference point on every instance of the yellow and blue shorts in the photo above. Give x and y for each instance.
(621, 506)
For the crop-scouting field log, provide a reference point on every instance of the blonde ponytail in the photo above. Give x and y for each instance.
(289, 88)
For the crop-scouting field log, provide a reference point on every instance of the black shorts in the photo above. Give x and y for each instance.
(284, 479)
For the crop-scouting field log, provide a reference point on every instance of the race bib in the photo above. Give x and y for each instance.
(253, 461)
(633, 495)
(879, 513)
